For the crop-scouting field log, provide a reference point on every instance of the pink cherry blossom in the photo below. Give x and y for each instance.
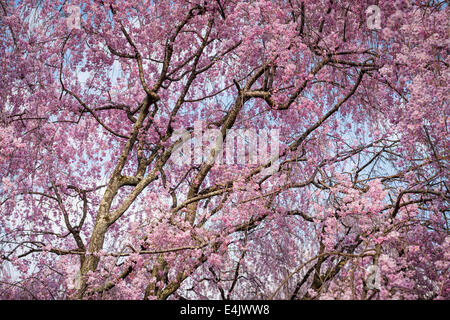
(92, 206)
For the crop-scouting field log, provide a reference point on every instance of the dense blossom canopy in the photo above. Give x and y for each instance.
(92, 206)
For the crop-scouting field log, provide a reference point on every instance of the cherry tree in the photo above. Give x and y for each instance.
(94, 95)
